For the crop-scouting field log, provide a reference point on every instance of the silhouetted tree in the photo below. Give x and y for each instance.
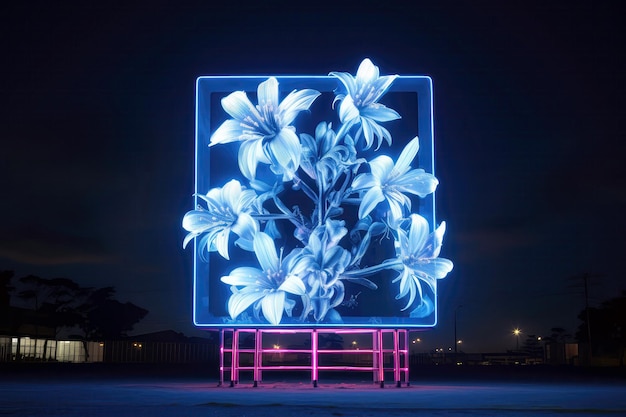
(54, 300)
(331, 341)
(558, 335)
(55, 291)
(609, 326)
(6, 288)
(532, 347)
(106, 318)
(62, 303)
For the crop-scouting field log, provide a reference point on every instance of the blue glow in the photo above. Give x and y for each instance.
(314, 202)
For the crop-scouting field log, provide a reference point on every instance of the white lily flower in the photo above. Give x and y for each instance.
(228, 210)
(360, 104)
(265, 130)
(419, 260)
(267, 287)
(391, 182)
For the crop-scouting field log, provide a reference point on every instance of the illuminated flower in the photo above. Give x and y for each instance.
(228, 209)
(419, 260)
(265, 130)
(360, 104)
(341, 215)
(389, 182)
(321, 266)
(325, 156)
(267, 287)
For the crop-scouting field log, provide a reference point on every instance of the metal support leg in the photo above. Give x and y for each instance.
(396, 357)
(314, 358)
(221, 357)
(406, 357)
(234, 370)
(381, 359)
(257, 358)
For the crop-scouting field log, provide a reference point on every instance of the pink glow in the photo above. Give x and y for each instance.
(386, 344)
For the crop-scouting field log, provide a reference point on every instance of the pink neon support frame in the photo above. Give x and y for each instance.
(398, 354)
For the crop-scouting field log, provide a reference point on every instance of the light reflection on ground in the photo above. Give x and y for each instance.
(176, 397)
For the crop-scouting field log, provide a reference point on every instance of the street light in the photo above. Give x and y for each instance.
(516, 333)
(456, 340)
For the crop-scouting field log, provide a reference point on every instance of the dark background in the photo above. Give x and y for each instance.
(97, 141)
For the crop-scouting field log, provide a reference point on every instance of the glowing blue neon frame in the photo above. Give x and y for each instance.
(417, 90)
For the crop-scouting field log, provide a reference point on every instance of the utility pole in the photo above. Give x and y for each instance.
(585, 281)
(456, 340)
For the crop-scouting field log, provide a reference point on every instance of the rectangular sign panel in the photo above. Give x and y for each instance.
(314, 202)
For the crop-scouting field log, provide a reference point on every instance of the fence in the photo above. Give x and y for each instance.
(28, 349)
(160, 352)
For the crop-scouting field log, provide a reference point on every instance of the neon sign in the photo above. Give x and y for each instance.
(314, 202)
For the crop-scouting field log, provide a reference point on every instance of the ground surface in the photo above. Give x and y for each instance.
(37, 394)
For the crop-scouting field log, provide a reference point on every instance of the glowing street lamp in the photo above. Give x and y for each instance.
(516, 333)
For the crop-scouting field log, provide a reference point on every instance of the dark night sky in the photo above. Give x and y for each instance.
(96, 156)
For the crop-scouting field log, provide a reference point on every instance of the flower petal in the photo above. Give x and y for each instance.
(347, 80)
(425, 308)
(189, 238)
(221, 242)
(417, 182)
(238, 106)
(381, 85)
(289, 305)
(437, 268)
(395, 212)
(405, 282)
(245, 226)
(245, 276)
(197, 221)
(284, 150)
(418, 233)
(293, 285)
(367, 131)
(367, 72)
(379, 113)
(320, 307)
(406, 157)
(231, 192)
(294, 103)
(364, 181)
(229, 131)
(267, 94)
(381, 167)
(240, 301)
(273, 305)
(347, 110)
(249, 153)
(335, 257)
(370, 200)
(433, 243)
(265, 251)
(415, 288)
